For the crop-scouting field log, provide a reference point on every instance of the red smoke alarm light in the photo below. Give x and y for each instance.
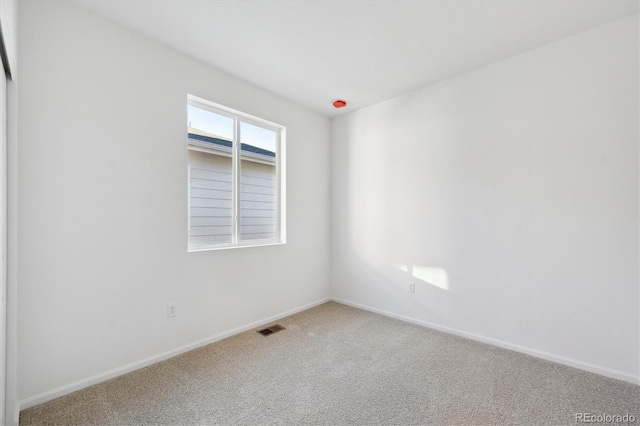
(339, 103)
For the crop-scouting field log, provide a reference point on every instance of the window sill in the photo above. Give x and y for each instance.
(240, 245)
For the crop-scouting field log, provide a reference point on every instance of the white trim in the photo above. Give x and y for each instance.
(257, 158)
(98, 378)
(235, 181)
(281, 175)
(280, 189)
(603, 371)
(189, 198)
(209, 148)
(12, 403)
(241, 244)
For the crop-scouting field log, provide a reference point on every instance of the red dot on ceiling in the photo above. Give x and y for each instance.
(339, 103)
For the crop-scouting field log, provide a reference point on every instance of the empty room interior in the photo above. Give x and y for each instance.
(320, 212)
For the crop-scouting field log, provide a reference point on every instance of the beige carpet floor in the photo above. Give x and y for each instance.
(336, 365)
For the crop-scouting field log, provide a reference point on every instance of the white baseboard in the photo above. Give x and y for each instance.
(603, 371)
(98, 378)
(107, 375)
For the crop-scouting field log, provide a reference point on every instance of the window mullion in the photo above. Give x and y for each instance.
(236, 180)
(278, 186)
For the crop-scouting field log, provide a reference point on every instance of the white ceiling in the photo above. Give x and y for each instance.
(313, 52)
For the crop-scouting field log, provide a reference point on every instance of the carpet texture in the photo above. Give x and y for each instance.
(336, 365)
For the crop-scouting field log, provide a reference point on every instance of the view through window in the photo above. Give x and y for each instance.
(235, 178)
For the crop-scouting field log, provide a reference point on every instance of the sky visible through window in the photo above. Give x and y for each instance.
(222, 127)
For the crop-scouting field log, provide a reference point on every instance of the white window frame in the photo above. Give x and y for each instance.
(235, 153)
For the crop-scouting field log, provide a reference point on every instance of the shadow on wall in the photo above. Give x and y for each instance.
(436, 277)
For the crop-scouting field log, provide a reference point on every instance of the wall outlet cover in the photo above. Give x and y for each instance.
(171, 310)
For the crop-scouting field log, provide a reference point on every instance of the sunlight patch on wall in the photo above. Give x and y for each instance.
(434, 276)
(437, 277)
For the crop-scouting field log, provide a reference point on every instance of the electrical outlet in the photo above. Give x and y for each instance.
(412, 287)
(171, 310)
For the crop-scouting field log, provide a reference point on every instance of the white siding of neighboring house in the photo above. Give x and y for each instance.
(257, 200)
(210, 200)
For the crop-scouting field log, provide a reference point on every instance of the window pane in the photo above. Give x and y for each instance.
(258, 183)
(210, 178)
(205, 122)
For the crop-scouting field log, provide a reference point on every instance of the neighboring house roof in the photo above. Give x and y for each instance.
(228, 143)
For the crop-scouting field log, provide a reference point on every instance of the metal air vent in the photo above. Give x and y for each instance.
(272, 329)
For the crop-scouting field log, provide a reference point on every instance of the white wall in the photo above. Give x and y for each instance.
(102, 206)
(510, 196)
